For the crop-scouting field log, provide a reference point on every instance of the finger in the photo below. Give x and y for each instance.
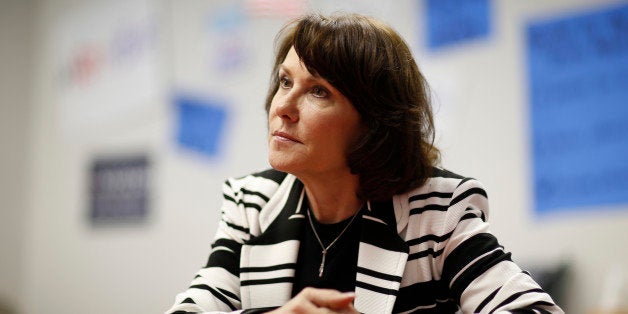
(329, 298)
(298, 304)
(348, 309)
(343, 302)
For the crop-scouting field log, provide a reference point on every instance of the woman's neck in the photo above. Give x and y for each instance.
(334, 198)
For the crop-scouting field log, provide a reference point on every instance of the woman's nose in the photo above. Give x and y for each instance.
(287, 106)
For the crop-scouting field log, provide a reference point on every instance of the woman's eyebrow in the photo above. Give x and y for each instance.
(284, 69)
(312, 78)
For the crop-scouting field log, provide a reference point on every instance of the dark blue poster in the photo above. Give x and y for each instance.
(452, 21)
(119, 190)
(578, 80)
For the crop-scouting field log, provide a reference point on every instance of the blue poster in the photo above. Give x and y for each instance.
(453, 21)
(578, 80)
(200, 124)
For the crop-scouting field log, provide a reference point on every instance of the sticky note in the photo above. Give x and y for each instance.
(453, 21)
(200, 124)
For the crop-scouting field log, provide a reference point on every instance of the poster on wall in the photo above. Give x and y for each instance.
(227, 35)
(578, 69)
(226, 39)
(119, 190)
(105, 64)
(450, 22)
(282, 9)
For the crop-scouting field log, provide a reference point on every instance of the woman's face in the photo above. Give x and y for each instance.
(311, 124)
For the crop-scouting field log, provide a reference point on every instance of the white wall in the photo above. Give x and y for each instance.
(69, 266)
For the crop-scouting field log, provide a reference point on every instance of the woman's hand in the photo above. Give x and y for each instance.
(312, 300)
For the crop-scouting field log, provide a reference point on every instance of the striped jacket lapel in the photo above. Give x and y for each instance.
(381, 260)
(268, 262)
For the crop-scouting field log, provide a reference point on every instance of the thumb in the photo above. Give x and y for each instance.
(332, 299)
(342, 300)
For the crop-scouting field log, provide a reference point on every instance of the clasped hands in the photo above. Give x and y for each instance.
(313, 300)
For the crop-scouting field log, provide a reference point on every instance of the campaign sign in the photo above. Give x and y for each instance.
(119, 189)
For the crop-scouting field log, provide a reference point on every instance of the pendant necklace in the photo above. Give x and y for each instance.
(325, 249)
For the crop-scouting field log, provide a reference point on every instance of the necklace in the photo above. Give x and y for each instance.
(325, 249)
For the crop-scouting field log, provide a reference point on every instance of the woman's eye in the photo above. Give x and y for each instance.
(284, 82)
(319, 92)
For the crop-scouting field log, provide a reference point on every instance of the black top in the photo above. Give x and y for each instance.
(341, 260)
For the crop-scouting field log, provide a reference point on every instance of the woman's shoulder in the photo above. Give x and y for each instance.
(443, 200)
(443, 187)
(445, 181)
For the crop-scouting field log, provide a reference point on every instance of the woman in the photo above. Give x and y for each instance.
(354, 216)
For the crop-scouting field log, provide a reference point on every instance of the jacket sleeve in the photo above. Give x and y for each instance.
(478, 271)
(216, 287)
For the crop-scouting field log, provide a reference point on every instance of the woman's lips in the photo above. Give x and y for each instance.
(282, 136)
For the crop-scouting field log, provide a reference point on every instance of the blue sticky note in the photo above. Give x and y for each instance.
(453, 21)
(200, 123)
(578, 80)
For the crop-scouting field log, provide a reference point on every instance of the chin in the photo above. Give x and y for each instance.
(283, 165)
(280, 166)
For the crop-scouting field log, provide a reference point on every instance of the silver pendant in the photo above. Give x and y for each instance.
(322, 267)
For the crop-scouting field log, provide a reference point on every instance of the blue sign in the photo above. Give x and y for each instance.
(200, 124)
(453, 21)
(578, 80)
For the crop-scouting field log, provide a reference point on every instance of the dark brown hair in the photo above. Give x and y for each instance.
(369, 63)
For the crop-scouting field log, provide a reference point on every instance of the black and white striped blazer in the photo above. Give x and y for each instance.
(425, 251)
